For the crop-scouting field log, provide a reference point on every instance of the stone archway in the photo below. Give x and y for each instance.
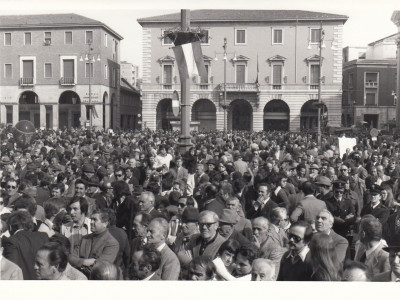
(276, 115)
(309, 114)
(240, 115)
(204, 111)
(69, 111)
(164, 115)
(29, 107)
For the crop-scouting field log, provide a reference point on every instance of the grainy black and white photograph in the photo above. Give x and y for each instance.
(182, 141)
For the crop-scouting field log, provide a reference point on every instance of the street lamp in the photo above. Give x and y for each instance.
(224, 106)
(90, 57)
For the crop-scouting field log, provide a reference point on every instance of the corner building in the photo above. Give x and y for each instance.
(279, 47)
(48, 65)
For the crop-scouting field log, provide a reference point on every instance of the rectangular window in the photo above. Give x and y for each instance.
(277, 36)
(167, 74)
(48, 71)
(371, 80)
(315, 35)
(7, 71)
(27, 68)
(89, 65)
(89, 37)
(206, 80)
(105, 71)
(7, 39)
(204, 39)
(314, 74)
(240, 36)
(28, 38)
(370, 98)
(68, 37)
(277, 74)
(47, 38)
(351, 80)
(69, 70)
(105, 40)
(240, 73)
(166, 40)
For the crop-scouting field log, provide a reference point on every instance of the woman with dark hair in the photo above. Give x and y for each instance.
(326, 266)
(201, 269)
(225, 260)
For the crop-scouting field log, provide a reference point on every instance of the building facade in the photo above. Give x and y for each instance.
(130, 106)
(59, 71)
(369, 86)
(272, 69)
(130, 72)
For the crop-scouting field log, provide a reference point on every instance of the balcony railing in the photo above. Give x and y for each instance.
(240, 87)
(371, 84)
(67, 81)
(276, 87)
(167, 86)
(204, 86)
(24, 81)
(313, 86)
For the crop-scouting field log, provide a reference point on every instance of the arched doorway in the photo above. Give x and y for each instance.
(164, 115)
(240, 115)
(112, 111)
(69, 111)
(309, 114)
(106, 111)
(204, 111)
(276, 115)
(29, 108)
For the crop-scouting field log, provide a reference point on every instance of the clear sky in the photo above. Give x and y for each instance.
(369, 20)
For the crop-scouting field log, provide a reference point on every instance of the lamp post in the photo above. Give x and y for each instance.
(321, 40)
(225, 53)
(89, 57)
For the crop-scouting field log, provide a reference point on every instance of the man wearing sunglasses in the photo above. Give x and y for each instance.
(341, 208)
(296, 263)
(208, 241)
(11, 191)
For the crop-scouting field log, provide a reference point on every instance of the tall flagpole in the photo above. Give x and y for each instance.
(184, 139)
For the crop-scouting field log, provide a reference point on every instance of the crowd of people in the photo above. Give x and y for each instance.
(80, 204)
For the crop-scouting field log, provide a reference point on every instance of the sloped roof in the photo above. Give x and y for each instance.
(125, 84)
(391, 37)
(51, 20)
(221, 15)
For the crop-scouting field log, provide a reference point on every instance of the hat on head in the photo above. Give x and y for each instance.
(5, 160)
(354, 171)
(190, 214)
(88, 168)
(314, 167)
(338, 185)
(323, 180)
(93, 181)
(211, 162)
(228, 216)
(376, 190)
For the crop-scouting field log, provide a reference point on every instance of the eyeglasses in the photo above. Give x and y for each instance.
(295, 238)
(208, 225)
(11, 187)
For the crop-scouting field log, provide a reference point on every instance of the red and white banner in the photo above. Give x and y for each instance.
(189, 58)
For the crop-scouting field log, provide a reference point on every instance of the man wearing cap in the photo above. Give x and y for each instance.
(309, 207)
(394, 260)
(375, 207)
(226, 228)
(314, 171)
(341, 208)
(325, 185)
(190, 227)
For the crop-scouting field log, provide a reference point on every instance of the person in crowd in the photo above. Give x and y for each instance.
(296, 264)
(51, 262)
(22, 245)
(263, 206)
(263, 270)
(392, 275)
(202, 268)
(323, 224)
(325, 264)
(9, 270)
(246, 254)
(157, 234)
(356, 271)
(225, 260)
(104, 270)
(97, 246)
(227, 229)
(146, 264)
(208, 241)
